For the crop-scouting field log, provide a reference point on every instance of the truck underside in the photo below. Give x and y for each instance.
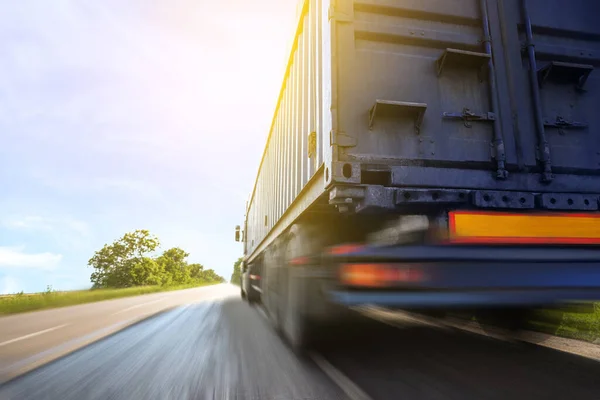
(439, 263)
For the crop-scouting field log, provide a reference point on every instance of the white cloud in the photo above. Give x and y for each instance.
(70, 182)
(38, 223)
(65, 232)
(8, 285)
(125, 118)
(17, 257)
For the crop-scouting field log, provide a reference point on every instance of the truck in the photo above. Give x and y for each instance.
(437, 156)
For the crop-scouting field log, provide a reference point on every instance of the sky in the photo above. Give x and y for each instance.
(121, 115)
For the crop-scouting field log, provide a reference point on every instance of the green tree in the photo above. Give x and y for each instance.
(127, 262)
(237, 272)
(147, 272)
(173, 262)
(196, 271)
(124, 262)
(210, 275)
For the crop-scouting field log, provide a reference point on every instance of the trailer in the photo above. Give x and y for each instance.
(430, 155)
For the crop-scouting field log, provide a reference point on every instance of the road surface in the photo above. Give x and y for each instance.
(31, 339)
(205, 348)
(214, 346)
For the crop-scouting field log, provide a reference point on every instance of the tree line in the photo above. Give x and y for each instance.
(237, 272)
(132, 261)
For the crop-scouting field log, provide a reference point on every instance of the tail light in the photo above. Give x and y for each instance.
(345, 249)
(298, 261)
(380, 275)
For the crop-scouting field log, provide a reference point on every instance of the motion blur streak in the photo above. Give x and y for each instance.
(210, 349)
(35, 338)
(219, 347)
(420, 362)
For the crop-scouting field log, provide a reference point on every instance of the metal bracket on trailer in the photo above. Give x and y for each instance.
(389, 108)
(375, 198)
(561, 124)
(340, 139)
(345, 197)
(462, 59)
(339, 17)
(565, 72)
(467, 116)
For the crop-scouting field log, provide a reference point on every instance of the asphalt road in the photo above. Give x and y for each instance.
(215, 346)
(31, 339)
(420, 362)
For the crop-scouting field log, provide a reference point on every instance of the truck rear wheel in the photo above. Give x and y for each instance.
(253, 296)
(297, 327)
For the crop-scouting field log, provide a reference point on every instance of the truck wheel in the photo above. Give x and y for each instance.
(297, 328)
(252, 296)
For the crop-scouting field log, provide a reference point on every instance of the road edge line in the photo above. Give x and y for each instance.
(56, 356)
(342, 381)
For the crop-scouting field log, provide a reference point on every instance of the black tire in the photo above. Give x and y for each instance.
(252, 296)
(242, 294)
(296, 326)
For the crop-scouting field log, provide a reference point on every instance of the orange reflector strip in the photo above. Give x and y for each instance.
(345, 249)
(378, 275)
(506, 228)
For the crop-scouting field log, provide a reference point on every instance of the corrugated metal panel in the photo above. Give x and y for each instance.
(302, 108)
(394, 50)
(563, 31)
(431, 93)
(424, 64)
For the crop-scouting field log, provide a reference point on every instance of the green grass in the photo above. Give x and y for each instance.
(581, 326)
(19, 303)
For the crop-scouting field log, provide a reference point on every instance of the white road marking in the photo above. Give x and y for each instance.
(349, 387)
(137, 306)
(32, 335)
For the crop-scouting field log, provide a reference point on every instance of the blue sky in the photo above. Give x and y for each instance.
(120, 115)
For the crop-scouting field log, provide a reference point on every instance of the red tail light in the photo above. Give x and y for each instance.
(345, 249)
(379, 275)
(299, 261)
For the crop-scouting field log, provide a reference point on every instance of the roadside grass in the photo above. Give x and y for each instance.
(22, 302)
(581, 326)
